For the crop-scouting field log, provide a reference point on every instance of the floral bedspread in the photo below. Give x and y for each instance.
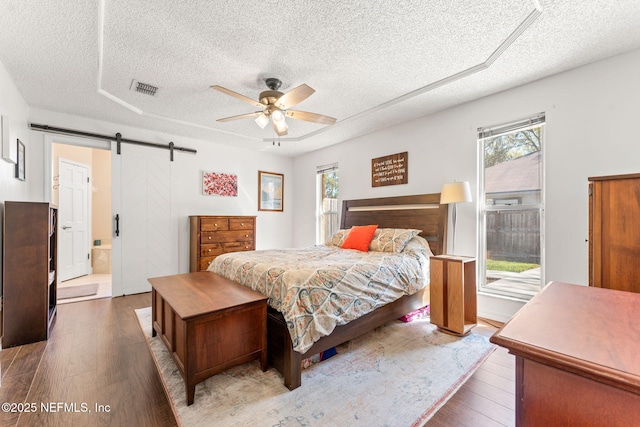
(320, 287)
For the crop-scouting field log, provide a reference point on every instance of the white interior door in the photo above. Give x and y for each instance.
(145, 244)
(73, 213)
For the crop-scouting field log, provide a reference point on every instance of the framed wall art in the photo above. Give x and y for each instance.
(270, 191)
(219, 184)
(390, 170)
(20, 164)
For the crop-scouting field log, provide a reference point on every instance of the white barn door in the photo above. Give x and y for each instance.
(145, 245)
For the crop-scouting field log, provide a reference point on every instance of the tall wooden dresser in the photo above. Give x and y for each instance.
(211, 236)
(614, 232)
(29, 272)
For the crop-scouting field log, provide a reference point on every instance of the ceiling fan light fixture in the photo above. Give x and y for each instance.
(277, 105)
(277, 116)
(281, 127)
(262, 120)
(279, 122)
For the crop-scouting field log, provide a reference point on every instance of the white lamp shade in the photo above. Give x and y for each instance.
(455, 192)
(278, 121)
(262, 120)
(277, 117)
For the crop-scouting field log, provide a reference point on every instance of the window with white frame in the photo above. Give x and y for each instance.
(328, 213)
(511, 220)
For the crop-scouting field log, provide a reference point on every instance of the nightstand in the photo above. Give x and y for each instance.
(453, 303)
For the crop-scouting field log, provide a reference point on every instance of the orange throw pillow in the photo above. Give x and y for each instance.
(359, 237)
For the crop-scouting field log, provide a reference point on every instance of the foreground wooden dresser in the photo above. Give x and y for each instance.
(211, 236)
(577, 361)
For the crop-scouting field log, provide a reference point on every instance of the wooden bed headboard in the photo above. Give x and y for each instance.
(423, 212)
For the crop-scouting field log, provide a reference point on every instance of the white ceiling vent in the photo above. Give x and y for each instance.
(144, 88)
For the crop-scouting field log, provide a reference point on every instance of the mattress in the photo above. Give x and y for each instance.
(320, 287)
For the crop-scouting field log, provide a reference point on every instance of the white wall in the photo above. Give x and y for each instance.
(15, 111)
(591, 114)
(273, 229)
(101, 224)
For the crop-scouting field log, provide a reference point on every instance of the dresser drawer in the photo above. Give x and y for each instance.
(226, 236)
(240, 223)
(237, 246)
(214, 224)
(211, 250)
(205, 261)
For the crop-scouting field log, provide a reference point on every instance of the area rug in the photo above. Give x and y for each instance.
(396, 375)
(77, 291)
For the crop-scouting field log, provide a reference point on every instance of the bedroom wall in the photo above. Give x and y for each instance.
(101, 196)
(273, 229)
(15, 111)
(591, 116)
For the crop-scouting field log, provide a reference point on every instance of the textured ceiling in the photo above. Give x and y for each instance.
(372, 63)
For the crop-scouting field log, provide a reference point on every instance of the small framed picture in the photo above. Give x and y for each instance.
(270, 191)
(20, 164)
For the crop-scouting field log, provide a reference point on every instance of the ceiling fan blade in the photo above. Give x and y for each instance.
(310, 117)
(237, 95)
(241, 116)
(294, 96)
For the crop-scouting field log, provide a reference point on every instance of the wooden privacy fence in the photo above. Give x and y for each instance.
(513, 236)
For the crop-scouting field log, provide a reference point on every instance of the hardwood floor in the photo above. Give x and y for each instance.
(96, 355)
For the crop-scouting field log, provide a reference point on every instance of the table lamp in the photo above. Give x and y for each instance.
(453, 193)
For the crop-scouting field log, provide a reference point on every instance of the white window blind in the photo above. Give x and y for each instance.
(493, 131)
(327, 168)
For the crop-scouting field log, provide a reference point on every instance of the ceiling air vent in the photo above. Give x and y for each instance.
(144, 88)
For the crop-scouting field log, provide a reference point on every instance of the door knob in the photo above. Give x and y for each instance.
(65, 227)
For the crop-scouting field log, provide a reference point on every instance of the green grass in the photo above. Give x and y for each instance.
(514, 267)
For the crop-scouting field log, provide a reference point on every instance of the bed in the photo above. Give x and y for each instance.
(338, 294)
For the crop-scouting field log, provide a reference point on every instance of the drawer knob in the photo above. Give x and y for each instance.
(242, 224)
(215, 225)
(209, 250)
(209, 237)
(246, 235)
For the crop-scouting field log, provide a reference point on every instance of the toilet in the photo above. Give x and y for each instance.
(101, 259)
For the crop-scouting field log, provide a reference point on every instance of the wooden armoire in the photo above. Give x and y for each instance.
(614, 232)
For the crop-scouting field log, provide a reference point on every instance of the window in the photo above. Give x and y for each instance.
(328, 217)
(511, 220)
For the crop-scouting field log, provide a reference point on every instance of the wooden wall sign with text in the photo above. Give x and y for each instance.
(390, 170)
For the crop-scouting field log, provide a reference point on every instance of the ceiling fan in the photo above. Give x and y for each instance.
(276, 105)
